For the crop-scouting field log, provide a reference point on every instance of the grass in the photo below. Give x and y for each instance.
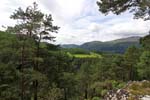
(91, 55)
(142, 88)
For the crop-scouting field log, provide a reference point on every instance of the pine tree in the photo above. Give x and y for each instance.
(140, 8)
(32, 24)
(131, 58)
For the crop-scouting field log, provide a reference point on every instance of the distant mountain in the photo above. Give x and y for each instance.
(70, 46)
(129, 39)
(116, 46)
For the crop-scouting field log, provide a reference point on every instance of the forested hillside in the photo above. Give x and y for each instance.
(115, 46)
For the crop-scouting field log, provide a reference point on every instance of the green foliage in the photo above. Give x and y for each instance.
(144, 65)
(52, 93)
(140, 8)
(31, 68)
(9, 87)
(96, 98)
(91, 55)
(61, 75)
(76, 51)
(145, 41)
(138, 88)
(131, 57)
(32, 28)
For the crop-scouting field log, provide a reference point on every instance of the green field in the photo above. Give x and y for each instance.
(91, 55)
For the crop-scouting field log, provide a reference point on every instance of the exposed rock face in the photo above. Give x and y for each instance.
(145, 97)
(120, 94)
(132, 91)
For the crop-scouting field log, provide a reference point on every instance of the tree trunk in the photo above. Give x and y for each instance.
(21, 70)
(131, 74)
(65, 94)
(86, 94)
(35, 83)
(22, 88)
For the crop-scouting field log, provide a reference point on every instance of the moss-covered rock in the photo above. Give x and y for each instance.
(132, 91)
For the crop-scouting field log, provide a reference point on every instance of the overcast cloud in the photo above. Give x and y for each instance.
(80, 20)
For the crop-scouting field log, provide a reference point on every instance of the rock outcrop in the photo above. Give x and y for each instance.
(132, 91)
(120, 94)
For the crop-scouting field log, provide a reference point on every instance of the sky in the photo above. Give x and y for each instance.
(79, 20)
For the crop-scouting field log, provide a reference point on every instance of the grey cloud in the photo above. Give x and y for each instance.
(51, 5)
(83, 22)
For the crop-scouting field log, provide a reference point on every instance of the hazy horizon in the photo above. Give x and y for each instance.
(102, 41)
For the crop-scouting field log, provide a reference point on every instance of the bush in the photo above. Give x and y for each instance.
(96, 98)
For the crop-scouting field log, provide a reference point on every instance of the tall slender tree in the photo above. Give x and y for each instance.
(131, 58)
(34, 24)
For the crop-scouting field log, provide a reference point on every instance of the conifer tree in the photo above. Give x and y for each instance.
(140, 8)
(32, 24)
